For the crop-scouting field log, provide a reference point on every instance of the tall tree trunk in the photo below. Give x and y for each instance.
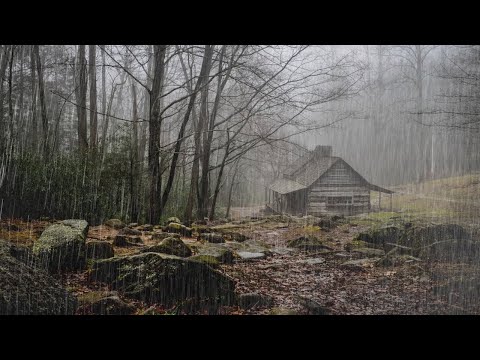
(134, 165)
(81, 98)
(93, 95)
(41, 90)
(155, 123)
(202, 80)
(34, 129)
(3, 68)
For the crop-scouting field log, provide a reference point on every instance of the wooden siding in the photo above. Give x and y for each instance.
(339, 191)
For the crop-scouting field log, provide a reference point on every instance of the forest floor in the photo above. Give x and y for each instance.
(293, 278)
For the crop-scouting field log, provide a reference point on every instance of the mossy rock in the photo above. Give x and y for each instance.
(221, 253)
(253, 300)
(125, 240)
(171, 246)
(163, 235)
(381, 237)
(167, 280)
(283, 311)
(115, 223)
(178, 228)
(145, 227)
(99, 250)
(369, 252)
(206, 259)
(308, 243)
(61, 247)
(173, 219)
(27, 290)
(103, 303)
(213, 238)
(128, 231)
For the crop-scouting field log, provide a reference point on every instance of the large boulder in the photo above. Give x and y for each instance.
(25, 290)
(171, 246)
(115, 223)
(99, 250)
(61, 247)
(166, 279)
(103, 303)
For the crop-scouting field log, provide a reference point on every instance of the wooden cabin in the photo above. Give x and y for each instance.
(320, 183)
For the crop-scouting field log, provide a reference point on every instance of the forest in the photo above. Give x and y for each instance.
(137, 179)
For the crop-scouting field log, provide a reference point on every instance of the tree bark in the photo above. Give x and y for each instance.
(81, 99)
(43, 106)
(155, 123)
(93, 95)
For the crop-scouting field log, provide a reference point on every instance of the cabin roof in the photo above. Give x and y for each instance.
(308, 169)
(285, 186)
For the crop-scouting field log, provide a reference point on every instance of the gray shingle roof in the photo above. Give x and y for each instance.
(285, 186)
(308, 169)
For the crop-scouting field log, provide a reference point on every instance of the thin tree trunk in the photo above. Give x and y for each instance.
(93, 95)
(81, 95)
(3, 68)
(134, 178)
(34, 130)
(43, 105)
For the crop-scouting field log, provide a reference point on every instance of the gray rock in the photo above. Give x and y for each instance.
(103, 303)
(213, 238)
(166, 280)
(173, 219)
(99, 250)
(171, 246)
(283, 311)
(115, 223)
(245, 255)
(369, 252)
(313, 307)
(61, 247)
(146, 227)
(25, 290)
(359, 264)
(313, 261)
(308, 243)
(162, 235)
(251, 300)
(128, 231)
(220, 253)
(125, 240)
(178, 228)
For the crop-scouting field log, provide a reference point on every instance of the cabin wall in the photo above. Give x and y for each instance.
(339, 191)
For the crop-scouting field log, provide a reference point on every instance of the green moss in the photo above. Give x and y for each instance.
(206, 259)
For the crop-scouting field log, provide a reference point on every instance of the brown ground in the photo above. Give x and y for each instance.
(405, 289)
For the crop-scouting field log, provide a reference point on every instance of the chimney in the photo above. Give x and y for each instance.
(323, 150)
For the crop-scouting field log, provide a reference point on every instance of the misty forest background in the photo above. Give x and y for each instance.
(143, 132)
